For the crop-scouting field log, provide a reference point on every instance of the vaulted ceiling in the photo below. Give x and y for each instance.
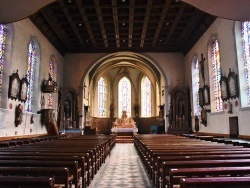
(87, 26)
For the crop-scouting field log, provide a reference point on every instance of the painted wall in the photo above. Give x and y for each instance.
(224, 31)
(16, 58)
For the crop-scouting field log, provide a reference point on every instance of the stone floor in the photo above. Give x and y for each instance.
(123, 169)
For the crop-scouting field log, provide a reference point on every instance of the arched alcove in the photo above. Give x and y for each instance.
(115, 66)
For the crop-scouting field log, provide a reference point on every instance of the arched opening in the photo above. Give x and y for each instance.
(134, 68)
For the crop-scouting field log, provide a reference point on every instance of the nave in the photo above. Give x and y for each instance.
(122, 169)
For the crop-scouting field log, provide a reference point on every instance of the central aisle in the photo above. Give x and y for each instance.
(122, 170)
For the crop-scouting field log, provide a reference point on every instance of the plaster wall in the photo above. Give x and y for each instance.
(22, 32)
(218, 122)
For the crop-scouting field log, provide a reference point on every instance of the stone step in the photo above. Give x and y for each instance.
(124, 139)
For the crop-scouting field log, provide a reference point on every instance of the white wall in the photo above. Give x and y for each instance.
(224, 31)
(22, 32)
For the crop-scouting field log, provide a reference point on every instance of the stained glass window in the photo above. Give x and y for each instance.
(196, 86)
(30, 76)
(124, 96)
(52, 73)
(146, 97)
(216, 75)
(102, 97)
(2, 49)
(246, 56)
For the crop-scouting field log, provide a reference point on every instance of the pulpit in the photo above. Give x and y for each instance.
(48, 119)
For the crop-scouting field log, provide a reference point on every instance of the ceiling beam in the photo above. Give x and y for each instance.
(176, 21)
(161, 22)
(47, 14)
(131, 20)
(188, 29)
(99, 15)
(86, 22)
(116, 26)
(145, 23)
(70, 21)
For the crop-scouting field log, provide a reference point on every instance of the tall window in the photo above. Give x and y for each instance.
(216, 75)
(30, 76)
(2, 49)
(246, 55)
(102, 97)
(124, 96)
(146, 97)
(196, 85)
(52, 73)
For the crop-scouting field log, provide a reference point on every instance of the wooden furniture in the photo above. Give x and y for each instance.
(48, 119)
(68, 116)
(180, 112)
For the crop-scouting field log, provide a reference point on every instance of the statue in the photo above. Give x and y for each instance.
(112, 109)
(18, 115)
(202, 66)
(136, 108)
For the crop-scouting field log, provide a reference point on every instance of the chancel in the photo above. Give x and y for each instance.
(124, 93)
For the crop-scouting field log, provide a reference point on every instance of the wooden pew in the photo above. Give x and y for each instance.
(61, 175)
(79, 159)
(167, 165)
(218, 182)
(157, 168)
(26, 182)
(176, 174)
(90, 160)
(71, 165)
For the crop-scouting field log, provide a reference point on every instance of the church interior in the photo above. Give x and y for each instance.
(158, 88)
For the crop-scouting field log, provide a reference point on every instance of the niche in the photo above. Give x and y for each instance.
(180, 112)
(68, 116)
(233, 127)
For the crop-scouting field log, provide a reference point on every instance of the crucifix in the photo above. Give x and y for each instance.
(84, 87)
(202, 66)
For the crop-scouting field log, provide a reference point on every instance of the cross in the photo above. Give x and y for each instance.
(202, 66)
(84, 87)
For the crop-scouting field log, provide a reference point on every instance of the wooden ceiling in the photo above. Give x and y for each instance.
(86, 26)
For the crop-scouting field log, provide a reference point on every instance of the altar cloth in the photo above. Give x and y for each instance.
(115, 129)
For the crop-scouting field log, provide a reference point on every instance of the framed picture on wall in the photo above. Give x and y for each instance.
(23, 89)
(232, 84)
(206, 95)
(224, 88)
(14, 86)
(201, 97)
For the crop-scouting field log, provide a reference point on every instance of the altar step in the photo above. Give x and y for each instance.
(124, 139)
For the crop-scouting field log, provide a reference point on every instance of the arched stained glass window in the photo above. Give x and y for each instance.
(30, 75)
(196, 85)
(102, 97)
(52, 73)
(246, 56)
(216, 75)
(124, 96)
(146, 97)
(2, 50)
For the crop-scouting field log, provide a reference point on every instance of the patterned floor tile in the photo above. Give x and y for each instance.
(123, 169)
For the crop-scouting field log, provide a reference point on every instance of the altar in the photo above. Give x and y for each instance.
(124, 126)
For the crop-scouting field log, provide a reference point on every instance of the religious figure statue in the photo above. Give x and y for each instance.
(136, 108)
(18, 115)
(112, 111)
(202, 66)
